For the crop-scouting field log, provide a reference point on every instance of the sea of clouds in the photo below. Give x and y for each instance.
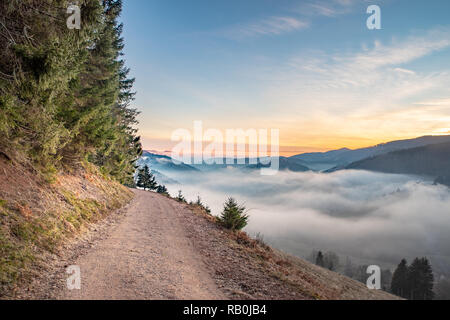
(370, 217)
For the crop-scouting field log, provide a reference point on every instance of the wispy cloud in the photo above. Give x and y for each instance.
(275, 25)
(326, 8)
(402, 70)
(317, 90)
(444, 102)
(380, 68)
(322, 10)
(298, 19)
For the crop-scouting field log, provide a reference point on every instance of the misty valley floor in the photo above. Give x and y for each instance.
(373, 218)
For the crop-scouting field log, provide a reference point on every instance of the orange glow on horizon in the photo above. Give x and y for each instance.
(164, 147)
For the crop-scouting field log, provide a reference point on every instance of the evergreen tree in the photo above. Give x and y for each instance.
(319, 259)
(361, 273)
(123, 148)
(442, 289)
(420, 280)
(207, 209)
(145, 179)
(180, 197)
(162, 189)
(233, 216)
(201, 205)
(386, 279)
(65, 94)
(331, 261)
(399, 283)
(414, 282)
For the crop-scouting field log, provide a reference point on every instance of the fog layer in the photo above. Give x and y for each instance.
(371, 217)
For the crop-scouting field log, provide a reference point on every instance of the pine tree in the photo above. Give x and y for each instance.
(399, 283)
(180, 197)
(414, 282)
(233, 216)
(319, 259)
(145, 179)
(121, 152)
(427, 285)
(201, 205)
(65, 94)
(420, 279)
(331, 260)
(207, 209)
(161, 189)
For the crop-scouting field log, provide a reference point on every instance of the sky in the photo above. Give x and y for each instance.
(311, 69)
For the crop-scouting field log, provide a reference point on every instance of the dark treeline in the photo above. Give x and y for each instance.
(65, 93)
(146, 180)
(414, 282)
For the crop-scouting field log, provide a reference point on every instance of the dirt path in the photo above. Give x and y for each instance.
(158, 248)
(146, 256)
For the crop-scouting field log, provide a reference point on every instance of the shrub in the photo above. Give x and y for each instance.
(207, 209)
(162, 189)
(233, 216)
(200, 204)
(180, 197)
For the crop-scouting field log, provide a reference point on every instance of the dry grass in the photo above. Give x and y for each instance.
(248, 268)
(38, 217)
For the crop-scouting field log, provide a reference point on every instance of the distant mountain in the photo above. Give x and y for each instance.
(163, 163)
(163, 179)
(319, 161)
(329, 156)
(343, 157)
(432, 160)
(284, 164)
(445, 180)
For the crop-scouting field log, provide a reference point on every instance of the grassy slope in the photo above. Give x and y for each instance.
(247, 268)
(432, 160)
(37, 217)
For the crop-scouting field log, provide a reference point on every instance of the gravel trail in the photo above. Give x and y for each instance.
(146, 256)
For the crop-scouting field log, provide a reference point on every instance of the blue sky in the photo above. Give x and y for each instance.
(309, 68)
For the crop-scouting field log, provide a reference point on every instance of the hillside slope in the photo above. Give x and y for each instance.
(163, 163)
(432, 160)
(37, 218)
(342, 157)
(163, 249)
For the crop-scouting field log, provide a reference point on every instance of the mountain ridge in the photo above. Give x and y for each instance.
(432, 160)
(338, 159)
(163, 162)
